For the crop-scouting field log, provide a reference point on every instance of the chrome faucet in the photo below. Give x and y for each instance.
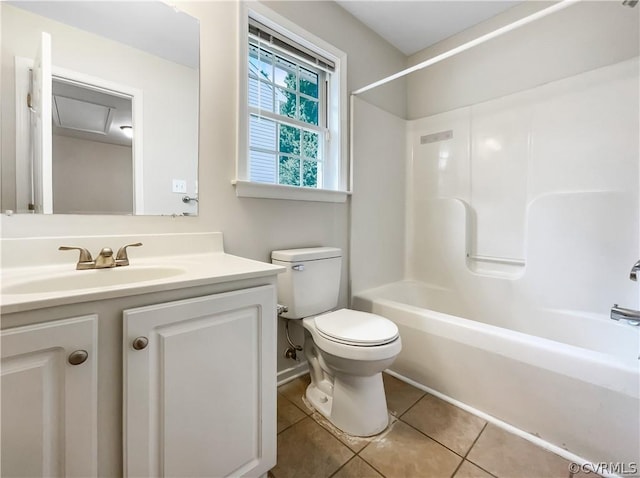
(630, 315)
(104, 260)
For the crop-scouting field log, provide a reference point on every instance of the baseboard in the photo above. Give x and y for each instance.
(292, 373)
(505, 426)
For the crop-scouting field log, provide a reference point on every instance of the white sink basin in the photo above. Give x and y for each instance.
(91, 279)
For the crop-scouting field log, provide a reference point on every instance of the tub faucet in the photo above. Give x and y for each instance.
(633, 275)
(631, 316)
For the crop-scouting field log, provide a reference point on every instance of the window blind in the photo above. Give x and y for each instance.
(281, 41)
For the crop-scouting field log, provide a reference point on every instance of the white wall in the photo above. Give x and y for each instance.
(170, 101)
(582, 37)
(252, 227)
(90, 177)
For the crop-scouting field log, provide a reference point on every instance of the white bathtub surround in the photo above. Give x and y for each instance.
(379, 169)
(530, 172)
(522, 223)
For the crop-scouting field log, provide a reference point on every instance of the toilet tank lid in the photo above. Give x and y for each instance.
(306, 254)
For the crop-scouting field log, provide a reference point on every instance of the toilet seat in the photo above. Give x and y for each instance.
(355, 328)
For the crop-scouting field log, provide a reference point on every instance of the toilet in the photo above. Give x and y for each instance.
(347, 350)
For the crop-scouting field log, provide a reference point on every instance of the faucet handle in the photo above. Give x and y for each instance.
(85, 261)
(633, 275)
(121, 257)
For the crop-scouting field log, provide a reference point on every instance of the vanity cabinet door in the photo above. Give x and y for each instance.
(49, 399)
(200, 386)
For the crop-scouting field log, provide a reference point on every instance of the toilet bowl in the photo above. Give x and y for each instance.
(347, 350)
(346, 378)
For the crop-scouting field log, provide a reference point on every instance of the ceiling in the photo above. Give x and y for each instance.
(154, 27)
(411, 26)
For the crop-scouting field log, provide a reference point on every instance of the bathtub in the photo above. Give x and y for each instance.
(569, 378)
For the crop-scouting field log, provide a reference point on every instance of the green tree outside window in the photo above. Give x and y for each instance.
(290, 138)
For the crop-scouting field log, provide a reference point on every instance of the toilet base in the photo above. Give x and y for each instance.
(358, 405)
(319, 400)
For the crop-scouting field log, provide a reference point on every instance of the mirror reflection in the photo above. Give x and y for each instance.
(91, 137)
(109, 121)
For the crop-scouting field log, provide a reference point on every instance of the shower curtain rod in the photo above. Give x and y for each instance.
(470, 44)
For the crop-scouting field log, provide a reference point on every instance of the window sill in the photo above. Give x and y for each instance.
(248, 189)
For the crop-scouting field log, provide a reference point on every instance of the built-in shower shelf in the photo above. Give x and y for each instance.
(503, 267)
(498, 260)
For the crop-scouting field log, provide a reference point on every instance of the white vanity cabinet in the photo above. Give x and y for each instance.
(196, 396)
(49, 399)
(199, 386)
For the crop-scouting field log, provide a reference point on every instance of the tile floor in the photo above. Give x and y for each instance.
(427, 438)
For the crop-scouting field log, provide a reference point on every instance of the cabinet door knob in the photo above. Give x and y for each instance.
(78, 357)
(140, 343)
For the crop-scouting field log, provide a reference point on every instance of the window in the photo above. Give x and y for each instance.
(287, 118)
(293, 113)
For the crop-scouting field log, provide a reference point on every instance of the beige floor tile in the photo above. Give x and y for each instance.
(357, 468)
(449, 425)
(400, 395)
(404, 452)
(295, 390)
(308, 450)
(288, 413)
(509, 456)
(353, 442)
(469, 470)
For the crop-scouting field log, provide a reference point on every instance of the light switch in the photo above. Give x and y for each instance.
(179, 186)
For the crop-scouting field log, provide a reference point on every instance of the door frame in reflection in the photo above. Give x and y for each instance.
(24, 183)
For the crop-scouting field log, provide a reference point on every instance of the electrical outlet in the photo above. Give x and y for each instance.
(179, 186)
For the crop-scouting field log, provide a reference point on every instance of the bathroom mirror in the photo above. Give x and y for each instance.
(100, 108)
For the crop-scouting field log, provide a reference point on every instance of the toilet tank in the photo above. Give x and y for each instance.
(311, 283)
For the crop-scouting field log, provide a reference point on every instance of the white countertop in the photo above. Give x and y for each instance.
(205, 264)
(199, 269)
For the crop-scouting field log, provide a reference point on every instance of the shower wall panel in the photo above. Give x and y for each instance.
(539, 188)
(378, 203)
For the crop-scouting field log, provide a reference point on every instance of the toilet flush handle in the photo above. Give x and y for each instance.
(298, 267)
